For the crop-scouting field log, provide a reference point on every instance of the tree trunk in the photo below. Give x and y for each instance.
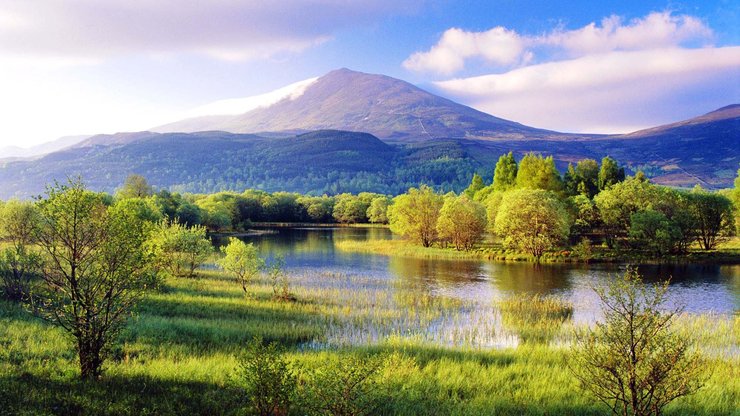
(91, 360)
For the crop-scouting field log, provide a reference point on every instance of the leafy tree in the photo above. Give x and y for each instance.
(377, 213)
(18, 262)
(269, 382)
(144, 209)
(585, 213)
(483, 194)
(318, 208)
(94, 271)
(346, 387)
(653, 231)
(633, 361)
(462, 221)
(504, 175)
(583, 178)
(135, 186)
(351, 209)
(178, 250)
(476, 184)
(493, 203)
(414, 215)
(617, 204)
(532, 220)
(537, 172)
(610, 173)
(241, 260)
(713, 214)
(735, 197)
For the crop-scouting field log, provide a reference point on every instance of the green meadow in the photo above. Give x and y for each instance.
(441, 356)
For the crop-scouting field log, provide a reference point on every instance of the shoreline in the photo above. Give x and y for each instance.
(402, 248)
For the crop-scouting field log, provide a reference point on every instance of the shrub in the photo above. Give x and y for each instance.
(634, 361)
(269, 382)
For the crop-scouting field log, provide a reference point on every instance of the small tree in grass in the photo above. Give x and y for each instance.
(94, 271)
(178, 250)
(241, 260)
(269, 381)
(348, 386)
(633, 361)
(19, 263)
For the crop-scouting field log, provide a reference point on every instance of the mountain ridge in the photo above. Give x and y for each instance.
(386, 107)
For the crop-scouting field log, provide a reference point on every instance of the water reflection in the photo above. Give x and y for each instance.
(700, 288)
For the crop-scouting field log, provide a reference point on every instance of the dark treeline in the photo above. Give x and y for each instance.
(233, 211)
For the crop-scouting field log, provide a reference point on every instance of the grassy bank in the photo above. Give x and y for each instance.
(728, 252)
(177, 355)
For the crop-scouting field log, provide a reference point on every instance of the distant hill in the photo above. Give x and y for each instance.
(703, 150)
(380, 105)
(41, 149)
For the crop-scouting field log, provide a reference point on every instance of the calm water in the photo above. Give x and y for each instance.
(699, 288)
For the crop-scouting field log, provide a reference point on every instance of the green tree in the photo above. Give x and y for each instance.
(377, 213)
(493, 203)
(414, 215)
(351, 209)
(532, 220)
(135, 186)
(633, 361)
(504, 175)
(735, 197)
(617, 204)
(653, 231)
(461, 221)
(349, 386)
(713, 214)
(269, 382)
(476, 184)
(583, 178)
(318, 208)
(178, 250)
(19, 263)
(241, 260)
(94, 271)
(610, 173)
(537, 172)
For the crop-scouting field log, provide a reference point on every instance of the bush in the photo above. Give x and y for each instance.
(634, 361)
(269, 382)
(347, 387)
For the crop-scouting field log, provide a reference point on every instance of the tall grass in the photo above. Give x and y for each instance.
(177, 354)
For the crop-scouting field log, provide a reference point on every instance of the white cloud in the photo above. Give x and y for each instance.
(242, 105)
(656, 30)
(498, 45)
(611, 92)
(227, 29)
(508, 48)
(608, 77)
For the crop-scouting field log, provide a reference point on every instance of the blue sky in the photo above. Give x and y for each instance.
(89, 66)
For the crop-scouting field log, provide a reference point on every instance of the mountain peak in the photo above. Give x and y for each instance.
(349, 100)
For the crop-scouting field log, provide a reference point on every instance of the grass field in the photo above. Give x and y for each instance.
(177, 356)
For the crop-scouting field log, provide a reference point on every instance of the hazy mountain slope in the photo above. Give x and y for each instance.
(383, 106)
(703, 150)
(40, 149)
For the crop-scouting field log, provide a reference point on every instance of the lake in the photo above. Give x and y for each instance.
(698, 287)
(311, 253)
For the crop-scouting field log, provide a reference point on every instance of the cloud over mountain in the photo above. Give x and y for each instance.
(610, 77)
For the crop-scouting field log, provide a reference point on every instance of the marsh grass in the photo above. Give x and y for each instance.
(535, 318)
(178, 352)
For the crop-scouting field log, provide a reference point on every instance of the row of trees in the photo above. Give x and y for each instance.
(237, 211)
(531, 208)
